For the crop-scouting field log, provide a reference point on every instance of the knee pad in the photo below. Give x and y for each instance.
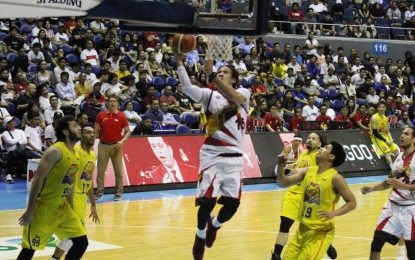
(231, 204)
(26, 253)
(410, 249)
(285, 224)
(208, 203)
(77, 241)
(65, 244)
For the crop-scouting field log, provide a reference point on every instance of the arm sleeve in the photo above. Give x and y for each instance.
(378, 135)
(194, 92)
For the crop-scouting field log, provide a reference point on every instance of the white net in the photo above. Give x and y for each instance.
(219, 47)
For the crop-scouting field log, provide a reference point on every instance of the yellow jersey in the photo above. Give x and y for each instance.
(318, 195)
(306, 159)
(88, 161)
(382, 126)
(61, 177)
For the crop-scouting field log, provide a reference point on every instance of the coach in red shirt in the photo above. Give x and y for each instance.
(343, 117)
(109, 125)
(323, 118)
(361, 118)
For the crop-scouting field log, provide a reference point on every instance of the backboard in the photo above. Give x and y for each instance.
(242, 17)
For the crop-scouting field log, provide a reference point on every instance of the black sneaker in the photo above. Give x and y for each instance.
(211, 233)
(331, 252)
(275, 256)
(199, 248)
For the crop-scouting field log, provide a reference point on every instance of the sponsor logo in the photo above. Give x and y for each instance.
(75, 3)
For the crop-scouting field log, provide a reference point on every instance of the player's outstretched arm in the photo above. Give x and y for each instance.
(51, 156)
(297, 175)
(378, 187)
(341, 187)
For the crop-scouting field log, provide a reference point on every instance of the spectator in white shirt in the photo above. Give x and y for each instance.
(50, 136)
(310, 111)
(90, 55)
(98, 27)
(35, 55)
(61, 37)
(34, 134)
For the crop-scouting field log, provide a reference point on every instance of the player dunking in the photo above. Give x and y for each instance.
(322, 188)
(221, 156)
(293, 196)
(49, 207)
(83, 186)
(398, 214)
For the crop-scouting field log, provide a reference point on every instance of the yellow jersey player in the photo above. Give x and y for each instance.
(49, 208)
(292, 198)
(322, 188)
(380, 136)
(83, 187)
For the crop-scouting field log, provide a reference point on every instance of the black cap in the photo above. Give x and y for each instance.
(57, 115)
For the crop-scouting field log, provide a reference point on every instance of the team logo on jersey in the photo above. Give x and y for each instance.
(302, 163)
(86, 173)
(312, 193)
(70, 175)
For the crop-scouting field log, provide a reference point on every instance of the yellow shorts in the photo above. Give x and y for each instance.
(291, 203)
(79, 206)
(308, 244)
(49, 220)
(381, 147)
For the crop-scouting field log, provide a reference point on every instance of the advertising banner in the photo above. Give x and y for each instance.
(169, 159)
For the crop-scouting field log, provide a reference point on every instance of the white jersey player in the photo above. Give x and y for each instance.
(221, 156)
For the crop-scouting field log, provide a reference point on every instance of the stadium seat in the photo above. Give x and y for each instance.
(83, 106)
(278, 82)
(11, 108)
(190, 120)
(177, 118)
(96, 70)
(182, 129)
(332, 94)
(399, 33)
(171, 81)
(323, 93)
(159, 83)
(97, 39)
(11, 57)
(245, 83)
(66, 48)
(26, 28)
(337, 104)
(136, 106)
(32, 68)
(2, 35)
(72, 59)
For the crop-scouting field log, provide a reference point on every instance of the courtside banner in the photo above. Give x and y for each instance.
(169, 159)
(361, 157)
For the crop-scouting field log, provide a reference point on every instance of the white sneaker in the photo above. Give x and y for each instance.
(8, 179)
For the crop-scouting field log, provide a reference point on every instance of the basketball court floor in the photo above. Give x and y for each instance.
(162, 224)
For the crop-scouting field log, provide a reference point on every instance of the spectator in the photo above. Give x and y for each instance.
(323, 118)
(318, 7)
(312, 45)
(297, 95)
(330, 80)
(310, 23)
(328, 62)
(341, 68)
(89, 54)
(12, 41)
(358, 79)
(144, 128)
(21, 62)
(342, 116)
(44, 76)
(297, 119)
(52, 109)
(258, 90)
(169, 120)
(327, 26)
(409, 13)
(127, 48)
(404, 120)
(22, 103)
(110, 125)
(246, 46)
(348, 90)
(113, 87)
(13, 138)
(293, 64)
(312, 68)
(65, 91)
(132, 116)
(151, 91)
(170, 100)
(295, 16)
(289, 80)
(34, 135)
(337, 9)
(372, 98)
(410, 29)
(310, 111)
(61, 37)
(97, 26)
(154, 112)
(94, 107)
(279, 69)
(393, 12)
(35, 55)
(61, 68)
(32, 108)
(79, 31)
(377, 11)
(50, 136)
(273, 123)
(82, 43)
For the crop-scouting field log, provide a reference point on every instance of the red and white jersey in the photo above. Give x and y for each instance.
(400, 196)
(293, 154)
(225, 124)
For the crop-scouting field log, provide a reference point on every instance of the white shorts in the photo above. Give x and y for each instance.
(223, 177)
(397, 220)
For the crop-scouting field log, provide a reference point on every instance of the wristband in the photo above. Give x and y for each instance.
(212, 76)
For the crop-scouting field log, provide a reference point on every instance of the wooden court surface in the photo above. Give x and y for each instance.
(165, 228)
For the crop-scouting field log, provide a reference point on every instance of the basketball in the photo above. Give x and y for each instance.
(183, 43)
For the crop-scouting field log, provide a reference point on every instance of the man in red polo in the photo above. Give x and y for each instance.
(344, 117)
(273, 122)
(109, 126)
(323, 118)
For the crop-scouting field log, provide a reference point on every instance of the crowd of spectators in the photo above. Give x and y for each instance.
(51, 67)
(348, 18)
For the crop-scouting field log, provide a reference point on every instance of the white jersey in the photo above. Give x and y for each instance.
(400, 196)
(293, 155)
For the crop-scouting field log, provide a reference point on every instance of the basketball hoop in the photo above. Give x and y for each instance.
(219, 47)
